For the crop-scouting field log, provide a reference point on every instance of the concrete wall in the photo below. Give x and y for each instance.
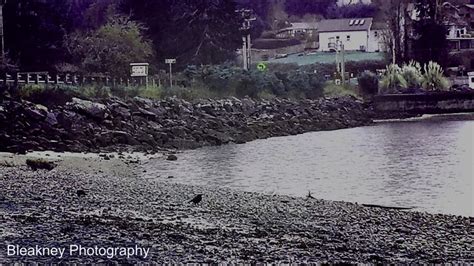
(356, 40)
(348, 2)
(446, 102)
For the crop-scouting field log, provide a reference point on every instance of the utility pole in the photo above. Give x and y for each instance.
(246, 15)
(2, 39)
(340, 60)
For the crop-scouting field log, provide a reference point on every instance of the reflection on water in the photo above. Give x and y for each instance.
(425, 164)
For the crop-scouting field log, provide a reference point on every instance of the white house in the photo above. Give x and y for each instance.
(355, 33)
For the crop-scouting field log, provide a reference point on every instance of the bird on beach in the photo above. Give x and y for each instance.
(309, 195)
(196, 199)
(80, 193)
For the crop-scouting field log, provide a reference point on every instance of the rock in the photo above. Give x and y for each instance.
(172, 157)
(91, 109)
(36, 164)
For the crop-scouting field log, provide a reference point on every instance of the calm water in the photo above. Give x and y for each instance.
(426, 164)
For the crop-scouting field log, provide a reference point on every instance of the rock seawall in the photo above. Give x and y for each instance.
(145, 125)
(432, 103)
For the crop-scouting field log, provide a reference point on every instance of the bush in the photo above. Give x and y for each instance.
(393, 80)
(274, 43)
(433, 78)
(368, 83)
(411, 72)
(333, 90)
(48, 96)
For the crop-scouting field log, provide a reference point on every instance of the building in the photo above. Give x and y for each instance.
(459, 21)
(298, 29)
(355, 33)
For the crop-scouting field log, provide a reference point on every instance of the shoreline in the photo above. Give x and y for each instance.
(120, 208)
(140, 124)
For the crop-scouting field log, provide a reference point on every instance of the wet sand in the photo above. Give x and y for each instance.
(118, 207)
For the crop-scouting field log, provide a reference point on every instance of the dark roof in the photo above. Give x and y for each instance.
(346, 24)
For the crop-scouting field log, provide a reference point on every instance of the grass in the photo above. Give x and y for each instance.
(327, 58)
(333, 90)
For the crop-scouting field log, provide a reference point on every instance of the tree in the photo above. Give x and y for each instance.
(396, 38)
(302, 7)
(111, 48)
(359, 10)
(34, 32)
(430, 43)
(194, 32)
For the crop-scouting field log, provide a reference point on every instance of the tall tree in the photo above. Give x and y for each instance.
(193, 31)
(302, 7)
(430, 43)
(111, 48)
(396, 37)
(34, 32)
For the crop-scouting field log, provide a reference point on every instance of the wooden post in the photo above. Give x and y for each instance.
(56, 79)
(17, 79)
(37, 78)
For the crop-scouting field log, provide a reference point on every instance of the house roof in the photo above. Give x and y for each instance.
(346, 24)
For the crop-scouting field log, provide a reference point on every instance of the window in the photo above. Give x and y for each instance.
(337, 38)
(348, 38)
(472, 79)
(376, 34)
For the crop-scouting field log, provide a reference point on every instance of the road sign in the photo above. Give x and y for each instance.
(170, 61)
(262, 66)
(139, 69)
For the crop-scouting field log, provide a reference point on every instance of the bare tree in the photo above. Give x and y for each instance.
(396, 37)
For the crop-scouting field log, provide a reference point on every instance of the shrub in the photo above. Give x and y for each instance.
(333, 90)
(48, 96)
(368, 83)
(411, 72)
(393, 80)
(95, 92)
(433, 78)
(274, 43)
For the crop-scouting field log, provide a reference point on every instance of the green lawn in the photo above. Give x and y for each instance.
(327, 57)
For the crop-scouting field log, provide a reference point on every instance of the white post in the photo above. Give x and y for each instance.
(171, 77)
(343, 67)
(244, 53)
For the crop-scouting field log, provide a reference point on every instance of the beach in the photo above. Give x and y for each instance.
(105, 202)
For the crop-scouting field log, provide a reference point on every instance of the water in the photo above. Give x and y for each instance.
(426, 164)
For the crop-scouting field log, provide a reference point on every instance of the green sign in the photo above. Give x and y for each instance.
(262, 66)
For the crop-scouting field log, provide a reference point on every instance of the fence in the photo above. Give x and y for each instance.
(23, 78)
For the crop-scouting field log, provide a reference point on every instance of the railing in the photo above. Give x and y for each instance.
(44, 78)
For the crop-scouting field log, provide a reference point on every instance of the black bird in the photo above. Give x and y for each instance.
(196, 199)
(309, 195)
(80, 193)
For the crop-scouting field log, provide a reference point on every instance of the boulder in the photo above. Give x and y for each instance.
(91, 109)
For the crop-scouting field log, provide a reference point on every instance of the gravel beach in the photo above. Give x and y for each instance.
(105, 202)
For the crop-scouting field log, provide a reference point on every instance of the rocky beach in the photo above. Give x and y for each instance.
(93, 200)
(139, 124)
